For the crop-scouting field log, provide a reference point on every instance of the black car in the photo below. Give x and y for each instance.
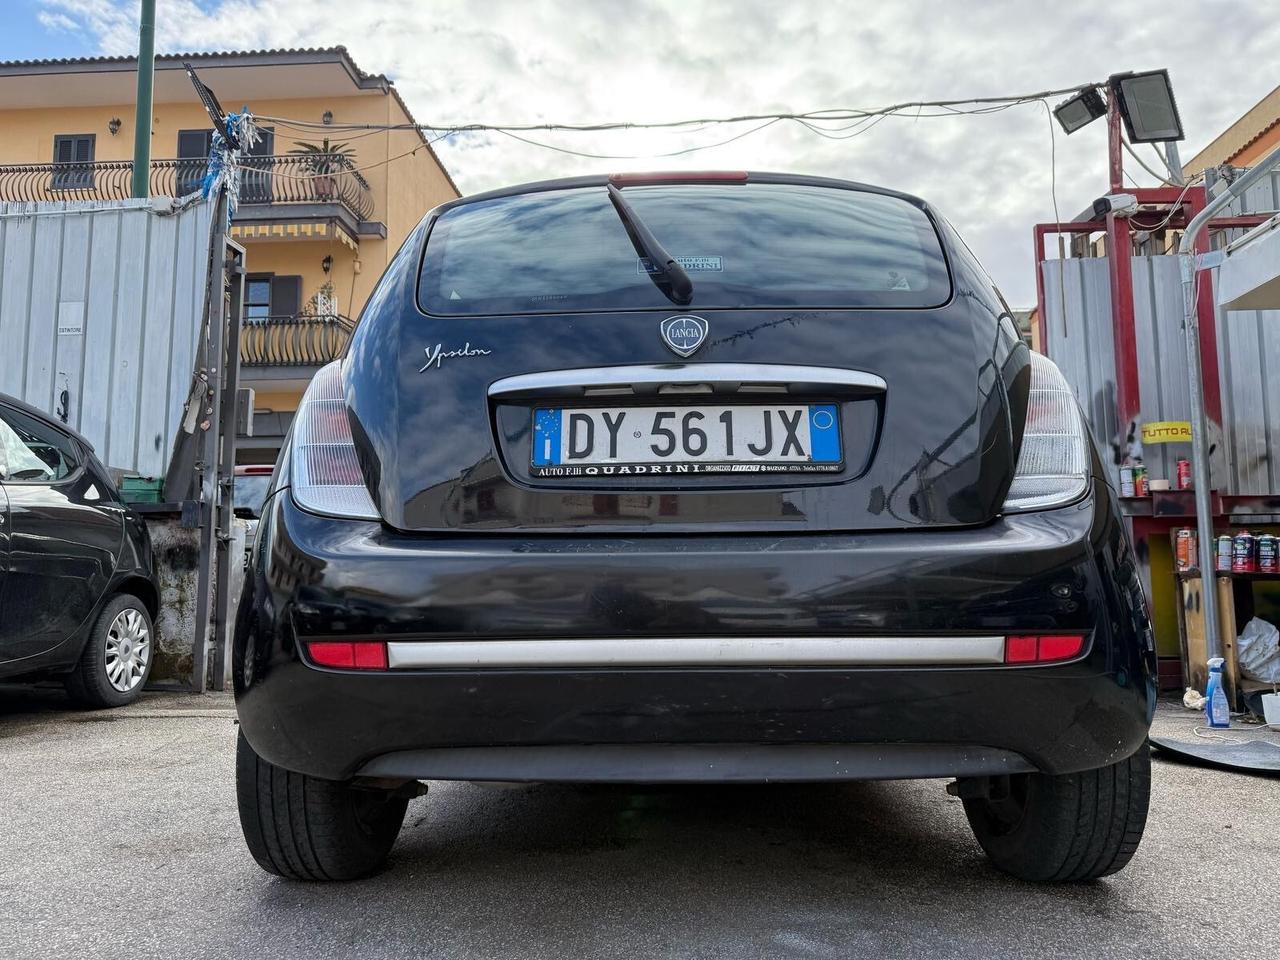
(691, 477)
(78, 592)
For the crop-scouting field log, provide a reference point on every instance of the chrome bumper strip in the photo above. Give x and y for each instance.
(696, 652)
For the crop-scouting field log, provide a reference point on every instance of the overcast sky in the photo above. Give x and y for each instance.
(476, 60)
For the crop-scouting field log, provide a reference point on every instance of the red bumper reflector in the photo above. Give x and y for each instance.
(1020, 650)
(358, 655)
(1042, 649)
(1060, 647)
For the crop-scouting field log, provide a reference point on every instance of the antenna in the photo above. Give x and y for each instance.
(214, 108)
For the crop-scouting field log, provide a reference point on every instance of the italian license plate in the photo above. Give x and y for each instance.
(625, 441)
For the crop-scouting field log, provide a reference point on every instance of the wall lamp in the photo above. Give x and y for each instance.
(327, 263)
(114, 125)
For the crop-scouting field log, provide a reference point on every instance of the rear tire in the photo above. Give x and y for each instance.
(1072, 827)
(304, 828)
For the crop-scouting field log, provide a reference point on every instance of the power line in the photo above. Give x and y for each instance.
(851, 122)
(935, 108)
(651, 156)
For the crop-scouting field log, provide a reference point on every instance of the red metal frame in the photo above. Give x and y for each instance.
(1124, 334)
(1115, 158)
(1119, 251)
(1039, 232)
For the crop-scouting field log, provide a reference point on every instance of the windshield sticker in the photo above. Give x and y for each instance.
(897, 281)
(691, 264)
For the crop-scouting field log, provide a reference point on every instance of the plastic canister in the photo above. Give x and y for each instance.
(1216, 711)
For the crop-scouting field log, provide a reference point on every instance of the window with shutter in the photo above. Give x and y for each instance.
(267, 296)
(286, 296)
(73, 161)
(193, 159)
(257, 297)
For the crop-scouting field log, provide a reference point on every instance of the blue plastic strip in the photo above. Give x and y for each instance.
(824, 432)
(546, 438)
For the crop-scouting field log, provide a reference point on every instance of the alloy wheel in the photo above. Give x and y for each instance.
(128, 650)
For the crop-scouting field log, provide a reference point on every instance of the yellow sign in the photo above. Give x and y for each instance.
(1167, 431)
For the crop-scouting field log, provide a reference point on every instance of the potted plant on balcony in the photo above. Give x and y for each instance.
(323, 161)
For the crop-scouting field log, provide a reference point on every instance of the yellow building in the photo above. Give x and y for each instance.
(320, 212)
(1246, 141)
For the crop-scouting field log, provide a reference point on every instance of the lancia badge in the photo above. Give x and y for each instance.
(684, 334)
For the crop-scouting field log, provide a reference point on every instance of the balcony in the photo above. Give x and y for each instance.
(295, 343)
(294, 186)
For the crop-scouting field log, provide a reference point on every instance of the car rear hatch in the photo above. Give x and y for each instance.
(529, 371)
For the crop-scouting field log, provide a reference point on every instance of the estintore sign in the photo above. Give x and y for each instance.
(70, 318)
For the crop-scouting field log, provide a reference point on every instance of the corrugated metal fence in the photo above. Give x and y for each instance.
(1246, 456)
(103, 300)
(1083, 345)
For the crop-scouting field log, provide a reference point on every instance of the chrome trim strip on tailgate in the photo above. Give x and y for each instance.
(725, 378)
(697, 652)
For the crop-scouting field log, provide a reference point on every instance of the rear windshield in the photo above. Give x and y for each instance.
(742, 244)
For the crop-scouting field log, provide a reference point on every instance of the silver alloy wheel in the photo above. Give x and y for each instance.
(128, 650)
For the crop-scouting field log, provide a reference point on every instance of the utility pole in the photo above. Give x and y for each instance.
(1174, 162)
(142, 113)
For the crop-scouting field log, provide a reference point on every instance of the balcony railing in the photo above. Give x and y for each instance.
(286, 179)
(298, 341)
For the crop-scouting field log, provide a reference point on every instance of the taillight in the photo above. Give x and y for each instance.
(324, 472)
(353, 655)
(1053, 465)
(1043, 648)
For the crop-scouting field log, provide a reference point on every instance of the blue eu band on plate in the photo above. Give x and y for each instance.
(587, 441)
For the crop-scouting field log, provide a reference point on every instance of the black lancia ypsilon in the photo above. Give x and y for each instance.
(691, 477)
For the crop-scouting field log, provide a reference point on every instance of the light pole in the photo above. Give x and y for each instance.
(142, 113)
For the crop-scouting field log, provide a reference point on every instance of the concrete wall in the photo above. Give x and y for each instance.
(177, 555)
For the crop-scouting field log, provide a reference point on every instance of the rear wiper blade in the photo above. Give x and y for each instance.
(667, 274)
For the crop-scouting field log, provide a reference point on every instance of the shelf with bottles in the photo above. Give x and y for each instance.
(1236, 553)
(1194, 572)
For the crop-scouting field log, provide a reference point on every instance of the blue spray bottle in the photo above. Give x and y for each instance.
(1216, 710)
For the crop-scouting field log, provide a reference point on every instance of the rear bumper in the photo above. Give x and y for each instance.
(858, 712)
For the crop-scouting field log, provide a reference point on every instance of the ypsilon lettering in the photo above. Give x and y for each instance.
(438, 353)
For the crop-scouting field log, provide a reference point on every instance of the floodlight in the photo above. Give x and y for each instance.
(1081, 109)
(1146, 103)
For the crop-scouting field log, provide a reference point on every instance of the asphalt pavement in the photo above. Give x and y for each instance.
(120, 839)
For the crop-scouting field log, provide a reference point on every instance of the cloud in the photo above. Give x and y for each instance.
(481, 60)
(58, 22)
